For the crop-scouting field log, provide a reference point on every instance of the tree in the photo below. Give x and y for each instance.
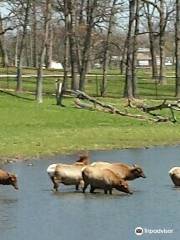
(162, 26)
(129, 88)
(34, 34)
(149, 13)
(112, 13)
(49, 44)
(66, 52)
(177, 41)
(73, 43)
(3, 50)
(39, 84)
(135, 47)
(164, 10)
(24, 7)
(90, 23)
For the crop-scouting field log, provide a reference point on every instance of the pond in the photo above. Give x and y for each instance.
(36, 212)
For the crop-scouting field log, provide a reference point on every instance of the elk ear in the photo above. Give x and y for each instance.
(12, 175)
(134, 170)
(135, 166)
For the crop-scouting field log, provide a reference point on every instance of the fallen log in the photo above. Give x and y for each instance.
(173, 106)
(100, 106)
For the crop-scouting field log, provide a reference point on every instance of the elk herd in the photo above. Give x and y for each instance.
(98, 175)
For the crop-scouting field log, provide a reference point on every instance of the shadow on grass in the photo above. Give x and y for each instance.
(16, 95)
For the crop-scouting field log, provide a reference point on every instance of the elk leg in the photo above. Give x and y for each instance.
(92, 189)
(85, 186)
(110, 191)
(56, 185)
(81, 184)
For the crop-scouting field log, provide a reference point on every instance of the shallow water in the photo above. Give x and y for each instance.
(36, 212)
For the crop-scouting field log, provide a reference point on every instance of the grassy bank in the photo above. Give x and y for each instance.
(29, 129)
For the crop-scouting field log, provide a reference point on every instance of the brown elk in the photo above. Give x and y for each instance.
(68, 174)
(101, 178)
(7, 178)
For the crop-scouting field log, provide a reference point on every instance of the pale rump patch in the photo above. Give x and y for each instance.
(172, 170)
(51, 169)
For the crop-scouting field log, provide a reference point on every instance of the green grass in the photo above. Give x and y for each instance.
(27, 70)
(29, 129)
(146, 87)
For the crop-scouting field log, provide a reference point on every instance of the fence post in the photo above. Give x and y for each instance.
(58, 89)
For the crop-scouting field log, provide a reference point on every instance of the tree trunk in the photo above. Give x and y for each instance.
(128, 89)
(34, 35)
(49, 45)
(91, 7)
(106, 49)
(162, 79)
(66, 52)
(39, 84)
(16, 48)
(27, 55)
(21, 48)
(3, 50)
(153, 55)
(4, 55)
(81, 9)
(72, 40)
(31, 49)
(78, 55)
(123, 60)
(177, 40)
(135, 48)
(152, 42)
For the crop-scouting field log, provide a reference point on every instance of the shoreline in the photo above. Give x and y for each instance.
(15, 159)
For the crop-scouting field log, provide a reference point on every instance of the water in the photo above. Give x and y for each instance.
(36, 212)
